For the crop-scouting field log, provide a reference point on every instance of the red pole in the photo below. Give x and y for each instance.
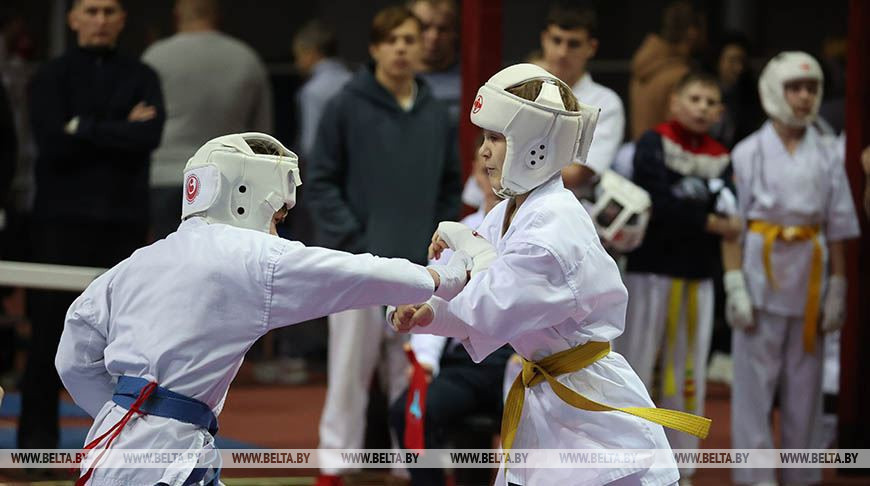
(854, 397)
(481, 58)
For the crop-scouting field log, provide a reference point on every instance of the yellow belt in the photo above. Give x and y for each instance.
(569, 361)
(772, 232)
(675, 302)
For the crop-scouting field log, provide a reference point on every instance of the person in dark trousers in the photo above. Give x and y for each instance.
(8, 148)
(383, 155)
(8, 161)
(460, 389)
(96, 116)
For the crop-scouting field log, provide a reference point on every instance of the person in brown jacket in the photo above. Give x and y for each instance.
(660, 62)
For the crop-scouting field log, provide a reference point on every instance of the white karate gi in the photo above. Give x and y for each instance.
(428, 348)
(185, 310)
(646, 339)
(808, 187)
(610, 129)
(360, 343)
(554, 287)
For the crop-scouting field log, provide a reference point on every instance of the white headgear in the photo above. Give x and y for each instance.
(542, 136)
(788, 66)
(226, 182)
(620, 212)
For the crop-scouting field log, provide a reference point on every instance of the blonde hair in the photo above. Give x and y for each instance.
(531, 89)
(264, 147)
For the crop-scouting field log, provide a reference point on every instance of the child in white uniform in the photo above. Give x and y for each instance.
(552, 292)
(165, 331)
(669, 280)
(793, 193)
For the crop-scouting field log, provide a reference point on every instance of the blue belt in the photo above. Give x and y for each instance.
(168, 404)
(165, 403)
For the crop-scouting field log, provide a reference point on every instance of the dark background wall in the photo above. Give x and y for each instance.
(269, 25)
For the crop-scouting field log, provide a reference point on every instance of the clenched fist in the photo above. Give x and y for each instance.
(407, 317)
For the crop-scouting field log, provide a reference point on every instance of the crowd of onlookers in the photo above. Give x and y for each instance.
(93, 144)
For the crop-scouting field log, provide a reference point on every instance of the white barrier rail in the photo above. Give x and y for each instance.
(46, 276)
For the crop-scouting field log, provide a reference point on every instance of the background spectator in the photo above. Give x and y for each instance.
(742, 113)
(314, 56)
(569, 40)
(96, 115)
(214, 84)
(660, 62)
(440, 65)
(381, 176)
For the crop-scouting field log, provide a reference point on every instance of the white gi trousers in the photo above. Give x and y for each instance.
(646, 340)
(359, 341)
(769, 358)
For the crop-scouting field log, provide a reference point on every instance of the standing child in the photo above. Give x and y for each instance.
(669, 277)
(794, 195)
(552, 292)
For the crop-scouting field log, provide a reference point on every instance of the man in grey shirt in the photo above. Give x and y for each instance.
(213, 84)
(314, 54)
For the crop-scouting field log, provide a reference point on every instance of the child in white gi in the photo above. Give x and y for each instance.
(164, 332)
(793, 193)
(552, 292)
(669, 277)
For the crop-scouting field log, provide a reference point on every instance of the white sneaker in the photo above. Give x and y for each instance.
(721, 368)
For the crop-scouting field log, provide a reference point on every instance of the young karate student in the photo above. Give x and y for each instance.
(552, 291)
(164, 332)
(669, 277)
(793, 193)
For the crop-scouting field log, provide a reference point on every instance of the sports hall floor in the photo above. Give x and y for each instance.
(286, 417)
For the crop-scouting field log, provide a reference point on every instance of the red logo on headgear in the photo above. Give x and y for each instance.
(478, 104)
(805, 66)
(191, 188)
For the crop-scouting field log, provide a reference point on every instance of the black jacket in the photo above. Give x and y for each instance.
(677, 243)
(380, 178)
(8, 147)
(99, 173)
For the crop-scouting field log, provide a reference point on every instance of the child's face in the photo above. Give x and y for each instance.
(697, 106)
(480, 174)
(801, 95)
(566, 52)
(401, 53)
(492, 151)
